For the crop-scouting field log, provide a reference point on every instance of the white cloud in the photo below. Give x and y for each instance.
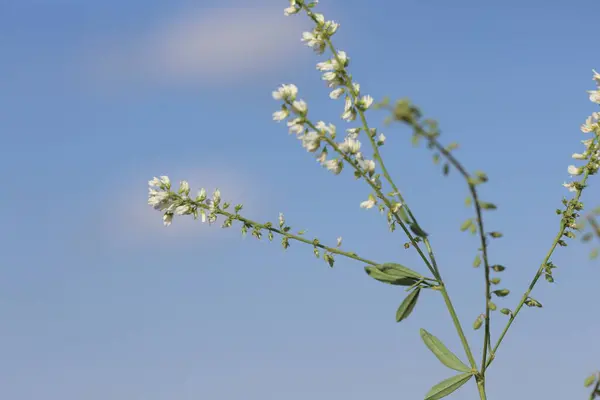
(204, 46)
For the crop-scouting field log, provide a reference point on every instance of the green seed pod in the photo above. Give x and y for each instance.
(478, 322)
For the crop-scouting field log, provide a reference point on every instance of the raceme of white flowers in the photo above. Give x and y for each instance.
(592, 146)
(314, 136)
(163, 199)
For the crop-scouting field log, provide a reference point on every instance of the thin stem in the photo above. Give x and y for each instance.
(288, 235)
(481, 388)
(542, 267)
(596, 388)
(478, 211)
(433, 265)
(457, 325)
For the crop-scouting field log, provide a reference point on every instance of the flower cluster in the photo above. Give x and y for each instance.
(591, 153)
(320, 136)
(323, 31)
(170, 203)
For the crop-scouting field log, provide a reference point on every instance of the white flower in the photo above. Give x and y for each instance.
(596, 77)
(349, 115)
(281, 114)
(216, 196)
(324, 129)
(336, 94)
(281, 220)
(322, 157)
(334, 166)
(184, 209)
(286, 93)
(349, 112)
(329, 76)
(367, 165)
(570, 186)
(347, 103)
(296, 125)
(314, 40)
(319, 18)
(350, 145)
(381, 139)
(368, 203)
(594, 96)
(165, 182)
(167, 219)
(343, 59)
(573, 170)
(184, 188)
(588, 126)
(290, 11)
(325, 66)
(154, 182)
(356, 87)
(365, 102)
(578, 156)
(588, 142)
(158, 200)
(353, 132)
(331, 27)
(300, 106)
(339, 241)
(311, 141)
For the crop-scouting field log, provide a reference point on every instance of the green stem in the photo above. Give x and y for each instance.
(481, 388)
(473, 190)
(541, 269)
(457, 325)
(298, 238)
(433, 265)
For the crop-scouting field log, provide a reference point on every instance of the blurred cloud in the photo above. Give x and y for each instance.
(201, 46)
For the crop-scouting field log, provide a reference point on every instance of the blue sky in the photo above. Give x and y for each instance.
(98, 300)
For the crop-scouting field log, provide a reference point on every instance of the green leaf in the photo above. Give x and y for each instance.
(442, 353)
(394, 274)
(398, 270)
(408, 304)
(466, 225)
(416, 229)
(447, 386)
(589, 380)
(487, 206)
